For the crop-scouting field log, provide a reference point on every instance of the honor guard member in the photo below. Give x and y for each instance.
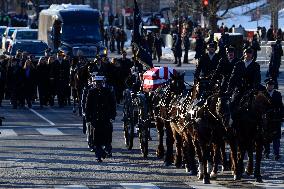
(208, 62)
(245, 76)
(100, 112)
(101, 66)
(274, 120)
(224, 69)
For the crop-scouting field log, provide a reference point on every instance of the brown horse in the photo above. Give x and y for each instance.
(249, 126)
(184, 147)
(161, 106)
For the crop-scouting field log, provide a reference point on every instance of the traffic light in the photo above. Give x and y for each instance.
(205, 4)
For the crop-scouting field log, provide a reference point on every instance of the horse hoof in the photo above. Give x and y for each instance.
(200, 176)
(237, 177)
(206, 181)
(259, 179)
(213, 175)
(192, 173)
(168, 163)
(248, 173)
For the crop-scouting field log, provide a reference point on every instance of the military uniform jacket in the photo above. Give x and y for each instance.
(100, 106)
(206, 65)
(243, 78)
(276, 114)
(224, 71)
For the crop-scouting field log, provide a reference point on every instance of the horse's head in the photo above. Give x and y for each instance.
(177, 83)
(223, 110)
(200, 87)
(261, 103)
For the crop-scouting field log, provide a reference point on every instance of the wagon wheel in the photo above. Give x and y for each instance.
(143, 137)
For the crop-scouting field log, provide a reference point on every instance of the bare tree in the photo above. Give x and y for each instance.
(187, 7)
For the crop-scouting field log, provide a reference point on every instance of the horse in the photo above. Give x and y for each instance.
(249, 124)
(184, 147)
(202, 116)
(161, 99)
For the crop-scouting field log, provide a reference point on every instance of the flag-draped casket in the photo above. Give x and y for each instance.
(156, 76)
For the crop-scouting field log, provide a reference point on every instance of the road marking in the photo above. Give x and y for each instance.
(7, 132)
(42, 117)
(50, 131)
(71, 124)
(138, 185)
(71, 187)
(200, 185)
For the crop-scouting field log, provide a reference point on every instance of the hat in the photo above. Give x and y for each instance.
(98, 78)
(248, 50)
(212, 44)
(230, 49)
(269, 81)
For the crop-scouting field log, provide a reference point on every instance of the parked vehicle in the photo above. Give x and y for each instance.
(6, 39)
(24, 34)
(34, 47)
(71, 28)
(2, 31)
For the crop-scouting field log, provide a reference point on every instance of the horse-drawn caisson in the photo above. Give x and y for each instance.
(200, 120)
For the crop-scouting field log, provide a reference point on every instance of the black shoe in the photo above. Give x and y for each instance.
(99, 160)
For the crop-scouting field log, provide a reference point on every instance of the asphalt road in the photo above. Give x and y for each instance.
(45, 148)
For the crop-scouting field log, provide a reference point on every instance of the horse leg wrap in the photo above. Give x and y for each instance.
(200, 171)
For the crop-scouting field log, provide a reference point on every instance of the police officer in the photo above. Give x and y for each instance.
(225, 68)
(100, 111)
(208, 62)
(245, 76)
(274, 122)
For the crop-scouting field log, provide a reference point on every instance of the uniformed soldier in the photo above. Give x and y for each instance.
(208, 62)
(245, 76)
(274, 119)
(100, 111)
(61, 73)
(225, 68)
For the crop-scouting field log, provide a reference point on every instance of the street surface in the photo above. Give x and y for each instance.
(45, 148)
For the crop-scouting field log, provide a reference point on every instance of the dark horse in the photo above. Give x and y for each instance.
(249, 123)
(161, 108)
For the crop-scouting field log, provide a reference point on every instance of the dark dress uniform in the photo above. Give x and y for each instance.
(207, 65)
(223, 72)
(158, 44)
(274, 123)
(186, 45)
(42, 79)
(242, 80)
(100, 109)
(60, 71)
(123, 71)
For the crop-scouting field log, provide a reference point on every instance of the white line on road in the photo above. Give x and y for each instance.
(138, 185)
(7, 132)
(50, 131)
(71, 187)
(42, 117)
